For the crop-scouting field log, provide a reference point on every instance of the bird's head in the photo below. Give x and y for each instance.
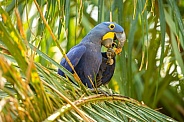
(111, 35)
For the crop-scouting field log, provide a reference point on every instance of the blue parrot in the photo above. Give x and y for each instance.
(86, 57)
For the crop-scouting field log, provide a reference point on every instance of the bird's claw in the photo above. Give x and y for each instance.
(110, 61)
(100, 91)
(110, 55)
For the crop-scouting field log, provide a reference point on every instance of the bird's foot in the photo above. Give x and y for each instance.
(101, 91)
(110, 55)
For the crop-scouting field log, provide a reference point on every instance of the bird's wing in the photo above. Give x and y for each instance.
(106, 71)
(74, 55)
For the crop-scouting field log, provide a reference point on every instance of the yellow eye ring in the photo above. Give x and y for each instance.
(111, 26)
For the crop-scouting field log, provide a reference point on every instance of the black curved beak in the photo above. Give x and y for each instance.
(121, 37)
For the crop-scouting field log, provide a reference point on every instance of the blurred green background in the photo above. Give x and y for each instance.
(150, 67)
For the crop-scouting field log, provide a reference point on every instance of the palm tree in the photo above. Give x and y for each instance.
(148, 82)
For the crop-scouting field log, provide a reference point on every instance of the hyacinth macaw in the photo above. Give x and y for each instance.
(86, 57)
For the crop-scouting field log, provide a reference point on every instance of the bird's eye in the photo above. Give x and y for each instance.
(111, 26)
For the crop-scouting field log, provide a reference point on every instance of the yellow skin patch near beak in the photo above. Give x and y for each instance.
(109, 35)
